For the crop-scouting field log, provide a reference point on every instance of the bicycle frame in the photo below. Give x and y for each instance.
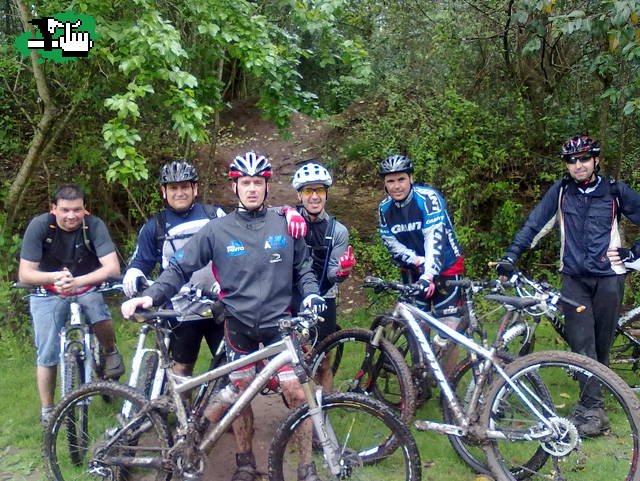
(286, 351)
(411, 315)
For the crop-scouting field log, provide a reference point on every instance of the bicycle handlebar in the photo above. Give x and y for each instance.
(380, 284)
(304, 319)
(110, 284)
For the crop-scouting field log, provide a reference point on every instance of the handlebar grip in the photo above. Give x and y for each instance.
(22, 285)
(142, 315)
(492, 263)
(579, 307)
(460, 283)
(114, 279)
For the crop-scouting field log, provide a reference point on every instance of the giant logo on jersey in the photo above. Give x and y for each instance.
(408, 227)
(235, 248)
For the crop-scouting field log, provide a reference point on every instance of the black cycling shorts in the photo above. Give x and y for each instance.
(241, 340)
(186, 337)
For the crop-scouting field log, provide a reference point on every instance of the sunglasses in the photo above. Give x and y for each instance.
(308, 191)
(570, 159)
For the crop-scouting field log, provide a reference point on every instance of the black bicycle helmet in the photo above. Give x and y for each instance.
(178, 171)
(250, 164)
(579, 144)
(395, 164)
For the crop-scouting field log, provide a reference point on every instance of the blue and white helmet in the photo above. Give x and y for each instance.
(311, 174)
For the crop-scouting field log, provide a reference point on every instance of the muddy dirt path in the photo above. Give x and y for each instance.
(244, 131)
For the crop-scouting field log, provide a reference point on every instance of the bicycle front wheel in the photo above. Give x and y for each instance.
(148, 367)
(398, 333)
(77, 419)
(359, 366)
(463, 382)
(589, 427)
(624, 356)
(361, 432)
(111, 451)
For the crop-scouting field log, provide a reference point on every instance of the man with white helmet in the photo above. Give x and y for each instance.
(328, 239)
(159, 239)
(257, 263)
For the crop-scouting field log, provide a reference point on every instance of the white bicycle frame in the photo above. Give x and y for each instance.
(411, 314)
(77, 323)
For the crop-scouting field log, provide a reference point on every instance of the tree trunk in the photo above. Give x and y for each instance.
(42, 132)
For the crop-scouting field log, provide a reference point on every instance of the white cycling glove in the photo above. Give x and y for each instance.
(130, 281)
(314, 303)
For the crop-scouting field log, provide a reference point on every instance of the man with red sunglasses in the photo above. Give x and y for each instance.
(587, 207)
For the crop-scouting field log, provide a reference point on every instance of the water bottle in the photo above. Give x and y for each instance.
(221, 401)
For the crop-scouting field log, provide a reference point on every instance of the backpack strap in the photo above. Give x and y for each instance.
(161, 230)
(52, 229)
(328, 243)
(615, 192)
(85, 238)
(210, 210)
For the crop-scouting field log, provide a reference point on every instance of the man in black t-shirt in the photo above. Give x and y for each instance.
(67, 252)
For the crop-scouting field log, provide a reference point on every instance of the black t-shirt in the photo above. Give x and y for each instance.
(67, 248)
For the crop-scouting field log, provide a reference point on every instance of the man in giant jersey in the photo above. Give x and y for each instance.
(416, 229)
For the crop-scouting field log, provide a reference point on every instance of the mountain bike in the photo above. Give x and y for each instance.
(625, 351)
(80, 358)
(523, 413)
(358, 437)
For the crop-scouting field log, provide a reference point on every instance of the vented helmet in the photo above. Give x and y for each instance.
(250, 164)
(311, 174)
(579, 144)
(395, 164)
(177, 171)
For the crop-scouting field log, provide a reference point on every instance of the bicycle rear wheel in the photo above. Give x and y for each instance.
(110, 453)
(77, 419)
(358, 366)
(360, 429)
(590, 428)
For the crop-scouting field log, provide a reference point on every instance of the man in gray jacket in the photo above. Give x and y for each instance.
(257, 263)
(328, 240)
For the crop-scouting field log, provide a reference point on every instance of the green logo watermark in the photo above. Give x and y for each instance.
(60, 37)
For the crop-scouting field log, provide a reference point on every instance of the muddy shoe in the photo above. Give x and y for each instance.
(113, 366)
(246, 470)
(307, 472)
(593, 422)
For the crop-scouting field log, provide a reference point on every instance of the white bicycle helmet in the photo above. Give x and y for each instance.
(311, 174)
(250, 164)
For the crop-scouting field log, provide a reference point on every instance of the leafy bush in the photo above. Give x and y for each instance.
(466, 151)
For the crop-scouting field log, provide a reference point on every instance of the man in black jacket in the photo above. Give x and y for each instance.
(587, 207)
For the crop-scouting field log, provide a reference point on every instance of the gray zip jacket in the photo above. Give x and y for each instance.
(255, 261)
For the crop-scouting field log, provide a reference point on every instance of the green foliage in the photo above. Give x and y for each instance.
(13, 321)
(465, 151)
(372, 256)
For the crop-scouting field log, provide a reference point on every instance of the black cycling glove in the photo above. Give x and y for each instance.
(627, 255)
(506, 266)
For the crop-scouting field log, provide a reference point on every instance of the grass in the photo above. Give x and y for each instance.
(20, 433)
